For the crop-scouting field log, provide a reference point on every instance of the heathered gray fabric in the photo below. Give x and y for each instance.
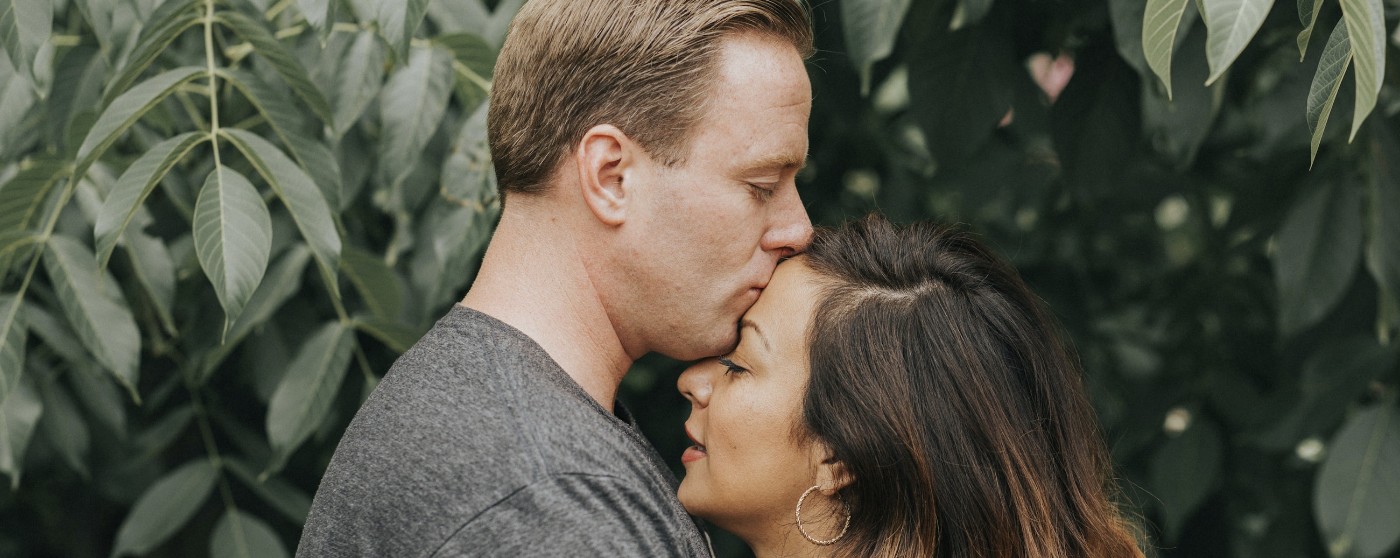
(476, 443)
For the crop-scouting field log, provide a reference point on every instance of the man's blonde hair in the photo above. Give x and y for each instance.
(645, 66)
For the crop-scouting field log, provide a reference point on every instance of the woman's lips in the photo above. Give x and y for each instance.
(693, 454)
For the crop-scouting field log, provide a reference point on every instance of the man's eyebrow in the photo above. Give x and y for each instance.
(782, 161)
(751, 325)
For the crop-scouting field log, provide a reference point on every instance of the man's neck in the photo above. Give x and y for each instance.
(532, 278)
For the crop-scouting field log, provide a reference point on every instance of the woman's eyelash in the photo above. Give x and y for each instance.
(731, 367)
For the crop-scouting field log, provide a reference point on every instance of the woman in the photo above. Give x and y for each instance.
(900, 392)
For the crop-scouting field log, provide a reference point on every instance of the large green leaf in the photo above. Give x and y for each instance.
(233, 237)
(25, 25)
(1160, 22)
(101, 398)
(361, 75)
(411, 106)
(311, 154)
(468, 176)
(13, 335)
(164, 508)
(18, 415)
(474, 61)
(302, 198)
(1319, 245)
(320, 14)
(95, 308)
(127, 109)
(1307, 11)
(282, 61)
(170, 20)
(304, 397)
(1231, 24)
(1326, 82)
(870, 28)
(1365, 21)
(377, 284)
(398, 21)
(64, 428)
(20, 201)
(393, 333)
(1356, 499)
(1176, 127)
(239, 535)
(134, 185)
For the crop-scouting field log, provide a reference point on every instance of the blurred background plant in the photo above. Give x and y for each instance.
(221, 221)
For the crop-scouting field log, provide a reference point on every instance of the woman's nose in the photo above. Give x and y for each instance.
(695, 384)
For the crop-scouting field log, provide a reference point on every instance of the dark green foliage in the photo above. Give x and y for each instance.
(1226, 264)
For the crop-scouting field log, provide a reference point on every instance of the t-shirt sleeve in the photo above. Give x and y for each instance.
(570, 515)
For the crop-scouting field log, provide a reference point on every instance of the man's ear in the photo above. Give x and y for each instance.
(604, 157)
(832, 473)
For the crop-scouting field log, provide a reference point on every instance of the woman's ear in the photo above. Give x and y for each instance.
(604, 156)
(832, 473)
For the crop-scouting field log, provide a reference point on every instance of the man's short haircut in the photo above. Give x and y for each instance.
(645, 66)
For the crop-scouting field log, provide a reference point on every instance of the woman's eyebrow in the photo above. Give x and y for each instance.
(761, 337)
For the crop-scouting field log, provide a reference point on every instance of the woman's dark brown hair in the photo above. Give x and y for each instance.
(941, 384)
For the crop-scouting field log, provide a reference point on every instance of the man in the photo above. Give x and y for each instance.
(646, 151)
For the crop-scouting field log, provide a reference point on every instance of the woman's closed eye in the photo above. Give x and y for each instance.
(731, 368)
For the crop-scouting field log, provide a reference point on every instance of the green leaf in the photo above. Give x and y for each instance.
(1326, 82)
(1177, 127)
(1160, 23)
(1383, 213)
(54, 333)
(870, 28)
(18, 415)
(1356, 499)
(1307, 11)
(282, 61)
(960, 88)
(101, 398)
(25, 25)
(411, 106)
(154, 268)
(164, 508)
(134, 185)
(65, 428)
(304, 397)
(468, 177)
(13, 334)
(1336, 375)
(170, 20)
(284, 497)
(313, 155)
(393, 333)
(361, 75)
(239, 535)
(95, 308)
(1319, 245)
(1231, 24)
(305, 202)
(1184, 473)
(232, 236)
(377, 284)
(23, 196)
(1365, 21)
(398, 21)
(320, 14)
(127, 109)
(282, 282)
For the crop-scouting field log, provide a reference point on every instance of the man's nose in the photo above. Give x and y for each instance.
(791, 230)
(695, 384)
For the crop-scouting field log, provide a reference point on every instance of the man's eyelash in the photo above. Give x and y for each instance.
(731, 367)
(760, 192)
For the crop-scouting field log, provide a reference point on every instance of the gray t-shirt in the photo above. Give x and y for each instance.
(477, 444)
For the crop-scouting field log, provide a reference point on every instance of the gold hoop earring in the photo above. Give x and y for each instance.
(803, 530)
